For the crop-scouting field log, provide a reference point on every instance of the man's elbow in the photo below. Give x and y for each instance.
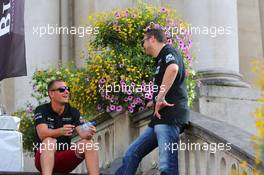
(42, 136)
(174, 68)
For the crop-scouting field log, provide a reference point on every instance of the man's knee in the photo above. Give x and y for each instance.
(48, 144)
(87, 145)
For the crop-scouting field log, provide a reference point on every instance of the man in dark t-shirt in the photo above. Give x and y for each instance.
(55, 123)
(171, 112)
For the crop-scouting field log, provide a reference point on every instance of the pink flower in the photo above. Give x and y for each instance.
(139, 100)
(112, 107)
(190, 43)
(133, 105)
(117, 28)
(163, 10)
(131, 110)
(129, 92)
(102, 81)
(130, 98)
(169, 41)
(119, 108)
(117, 15)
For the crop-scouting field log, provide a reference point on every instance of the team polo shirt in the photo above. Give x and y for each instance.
(45, 114)
(177, 94)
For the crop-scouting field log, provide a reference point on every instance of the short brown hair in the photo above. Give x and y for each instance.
(157, 33)
(52, 82)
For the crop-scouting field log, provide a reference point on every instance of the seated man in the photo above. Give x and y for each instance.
(55, 123)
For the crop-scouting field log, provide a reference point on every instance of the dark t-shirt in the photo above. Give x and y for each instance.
(45, 114)
(177, 94)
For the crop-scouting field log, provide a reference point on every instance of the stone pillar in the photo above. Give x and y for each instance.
(250, 40)
(261, 6)
(66, 53)
(217, 55)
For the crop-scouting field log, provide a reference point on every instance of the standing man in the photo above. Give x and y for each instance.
(171, 112)
(55, 123)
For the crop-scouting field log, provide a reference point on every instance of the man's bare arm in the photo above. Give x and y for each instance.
(43, 131)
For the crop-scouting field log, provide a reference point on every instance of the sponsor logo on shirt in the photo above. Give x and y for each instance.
(38, 116)
(50, 119)
(169, 58)
(157, 70)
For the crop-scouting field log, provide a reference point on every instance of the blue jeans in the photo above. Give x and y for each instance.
(162, 136)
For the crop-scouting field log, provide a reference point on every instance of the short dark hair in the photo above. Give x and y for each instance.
(157, 33)
(52, 82)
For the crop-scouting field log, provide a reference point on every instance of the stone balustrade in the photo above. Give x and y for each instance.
(117, 130)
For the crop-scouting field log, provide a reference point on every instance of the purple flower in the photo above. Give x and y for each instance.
(117, 28)
(122, 82)
(157, 26)
(133, 16)
(131, 110)
(29, 109)
(125, 100)
(129, 92)
(190, 43)
(119, 108)
(148, 96)
(99, 107)
(102, 81)
(139, 100)
(169, 41)
(121, 65)
(133, 105)
(117, 15)
(189, 58)
(163, 9)
(130, 98)
(112, 107)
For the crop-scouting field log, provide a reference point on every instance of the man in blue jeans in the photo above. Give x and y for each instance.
(171, 112)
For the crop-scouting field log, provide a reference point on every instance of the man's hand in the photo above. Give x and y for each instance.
(88, 134)
(67, 130)
(159, 105)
